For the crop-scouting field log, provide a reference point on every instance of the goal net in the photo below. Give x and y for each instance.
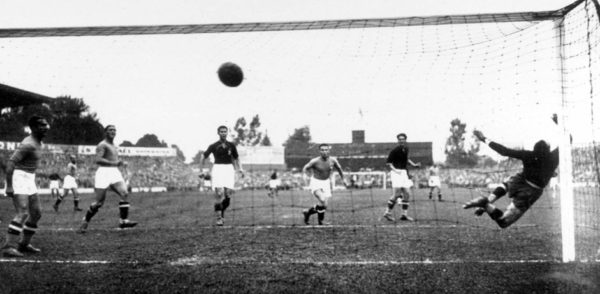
(502, 73)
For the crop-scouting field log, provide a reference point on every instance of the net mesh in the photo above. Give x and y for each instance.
(502, 71)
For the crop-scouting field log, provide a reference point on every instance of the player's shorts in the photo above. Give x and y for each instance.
(434, 181)
(273, 184)
(223, 176)
(106, 176)
(323, 185)
(24, 183)
(70, 182)
(400, 179)
(54, 184)
(523, 194)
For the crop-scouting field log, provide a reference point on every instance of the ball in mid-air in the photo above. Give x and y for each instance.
(230, 74)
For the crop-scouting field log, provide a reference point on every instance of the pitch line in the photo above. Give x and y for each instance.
(35, 261)
(195, 261)
(192, 261)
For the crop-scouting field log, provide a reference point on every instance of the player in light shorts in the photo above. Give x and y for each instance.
(322, 186)
(434, 182)
(274, 184)
(21, 187)
(108, 177)
(70, 184)
(54, 185)
(222, 174)
(320, 182)
(398, 162)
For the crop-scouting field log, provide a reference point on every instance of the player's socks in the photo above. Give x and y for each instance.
(320, 213)
(12, 236)
(123, 209)
(405, 205)
(28, 232)
(312, 210)
(90, 213)
(224, 205)
(57, 203)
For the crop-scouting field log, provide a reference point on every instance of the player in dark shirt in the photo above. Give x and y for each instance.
(398, 162)
(222, 173)
(524, 188)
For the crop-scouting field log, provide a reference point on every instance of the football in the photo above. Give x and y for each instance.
(230, 74)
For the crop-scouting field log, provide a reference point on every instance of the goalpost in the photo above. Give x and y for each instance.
(492, 70)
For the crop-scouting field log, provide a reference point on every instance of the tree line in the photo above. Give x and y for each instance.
(73, 123)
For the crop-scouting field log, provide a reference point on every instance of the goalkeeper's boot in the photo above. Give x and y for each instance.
(125, 223)
(405, 217)
(477, 202)
(220, 222)
(389, 217)
(479, 211)
(306, 217)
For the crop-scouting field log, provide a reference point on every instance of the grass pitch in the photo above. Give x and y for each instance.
(265, 247)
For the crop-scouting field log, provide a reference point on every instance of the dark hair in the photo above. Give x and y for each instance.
(324, 145)
(108, 126)
(34, 121)
(222, 127)
(401, 135)
(541, 147)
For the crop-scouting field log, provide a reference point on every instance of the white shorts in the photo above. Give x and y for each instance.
(273, 184)
(70, 182)
(24, 183)
(400, 179)
(223, 176)
(54, 184)
(106, 176)
(323, 185)
(434, 181)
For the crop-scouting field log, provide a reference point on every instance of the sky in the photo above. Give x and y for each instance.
(383, 81)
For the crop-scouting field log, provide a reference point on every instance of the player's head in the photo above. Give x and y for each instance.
(38, 126)
(222, 131)
(72, 158)
(401, 138)
(110, 131)
(541, 147)
(324, 149)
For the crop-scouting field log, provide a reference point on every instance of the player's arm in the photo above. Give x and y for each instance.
(338, 167)
(203, 158)
(499, 148)
(236, 160)
(418, 164)
(307, 167)
(10, 168)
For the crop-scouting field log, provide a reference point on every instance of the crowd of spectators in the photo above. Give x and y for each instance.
(173, 174)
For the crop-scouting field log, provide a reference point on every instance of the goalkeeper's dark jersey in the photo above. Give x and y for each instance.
(536, 169)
